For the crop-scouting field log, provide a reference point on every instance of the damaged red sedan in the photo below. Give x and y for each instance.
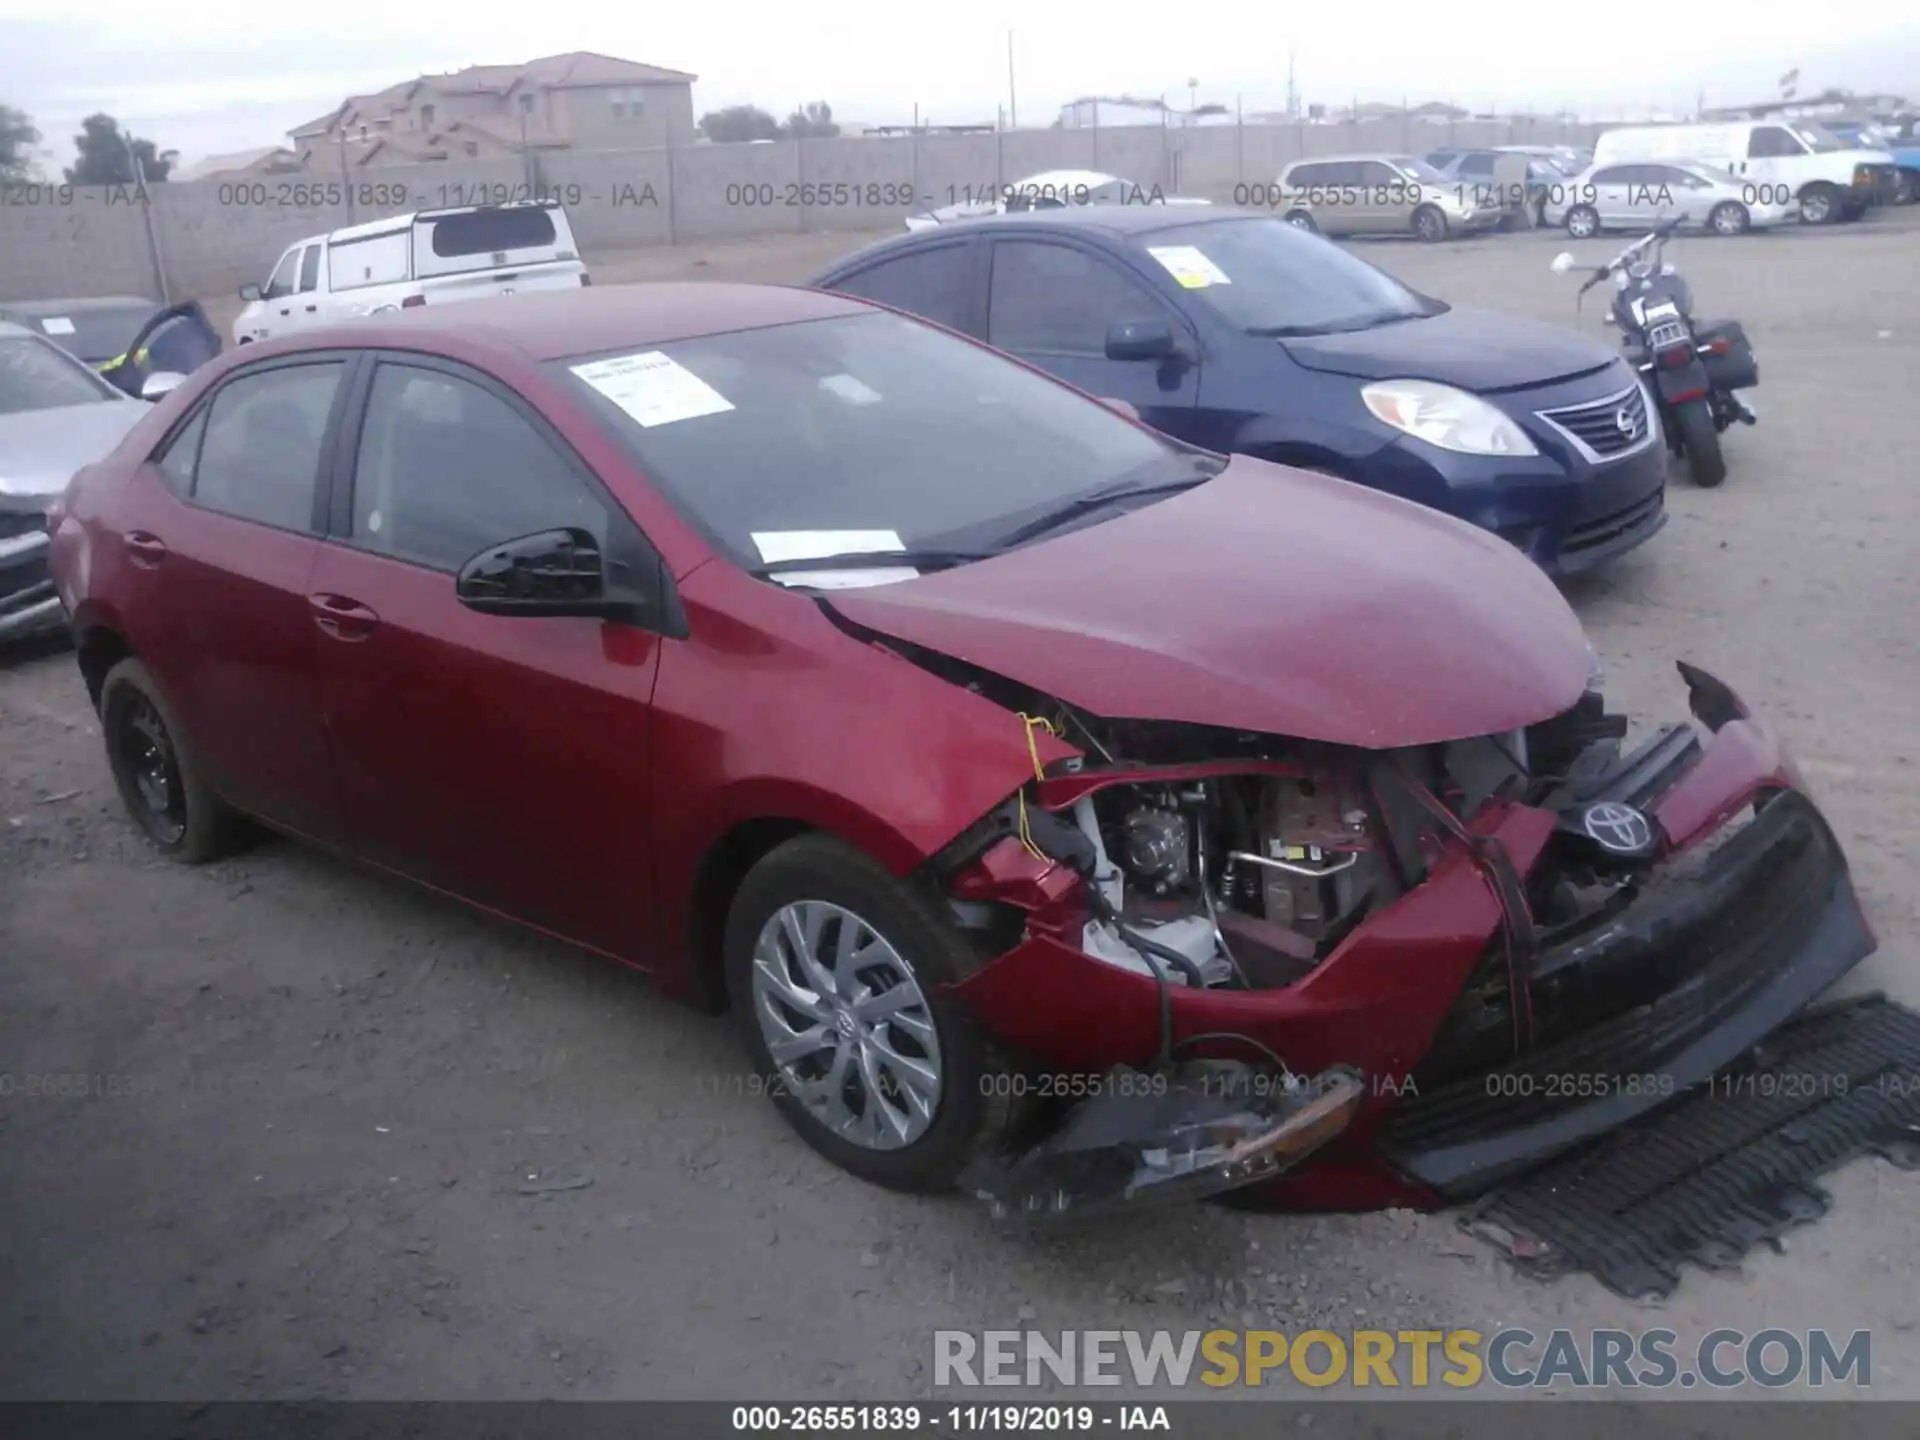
(1065, 812)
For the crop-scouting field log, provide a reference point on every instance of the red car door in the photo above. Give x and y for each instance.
(500, 758)
(220, 534)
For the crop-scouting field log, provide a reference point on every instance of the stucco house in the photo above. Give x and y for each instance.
(579, 101)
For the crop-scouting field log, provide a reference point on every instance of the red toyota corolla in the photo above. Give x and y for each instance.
(1062, 809)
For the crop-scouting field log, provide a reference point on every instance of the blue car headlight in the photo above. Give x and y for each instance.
(1445, 417)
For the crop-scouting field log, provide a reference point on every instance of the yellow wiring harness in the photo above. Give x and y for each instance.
(1033, 722)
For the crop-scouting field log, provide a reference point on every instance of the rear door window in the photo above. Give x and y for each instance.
(265, 432)
(935, 283)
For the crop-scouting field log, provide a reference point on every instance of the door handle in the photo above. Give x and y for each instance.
(312, 309)
(143, 549)
(341, 618)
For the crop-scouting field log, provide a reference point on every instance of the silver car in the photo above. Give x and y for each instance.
(1643, 194)
(56, 415)
(1377, 195)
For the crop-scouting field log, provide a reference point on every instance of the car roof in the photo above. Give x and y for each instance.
(552, 324)
(1109, 220)
(7, 327)
(38, 308)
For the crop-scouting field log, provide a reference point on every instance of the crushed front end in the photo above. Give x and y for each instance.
(1331, 978)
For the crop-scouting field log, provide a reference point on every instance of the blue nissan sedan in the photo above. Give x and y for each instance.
(1238, 332)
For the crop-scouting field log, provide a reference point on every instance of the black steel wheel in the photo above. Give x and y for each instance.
(154, 772)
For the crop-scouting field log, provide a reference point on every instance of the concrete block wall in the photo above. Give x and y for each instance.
(208, 237)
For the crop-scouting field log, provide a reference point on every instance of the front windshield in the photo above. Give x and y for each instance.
(36, 376)
(860, 434)
(1817, 138)
(1266, 277)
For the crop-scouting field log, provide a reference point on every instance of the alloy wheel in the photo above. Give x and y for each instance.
(847, 1025)
(152, 770)
(1581, 224)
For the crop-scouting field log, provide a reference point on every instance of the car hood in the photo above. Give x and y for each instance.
(1270, 600)
(1473, 349)
(40, 449)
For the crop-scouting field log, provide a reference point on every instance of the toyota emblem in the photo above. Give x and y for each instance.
(1617, 828)
(1625, 422)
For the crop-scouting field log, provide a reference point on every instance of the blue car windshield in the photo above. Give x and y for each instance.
(1267, 277)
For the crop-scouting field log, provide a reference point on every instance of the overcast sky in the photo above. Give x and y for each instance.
(221, 75)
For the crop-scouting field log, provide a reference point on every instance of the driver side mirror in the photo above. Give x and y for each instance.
(250, 292)
(1563, 262)
(1141, 340)
(553, 572)
(160, 384)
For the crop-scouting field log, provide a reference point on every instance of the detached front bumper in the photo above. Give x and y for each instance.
(1743, 922)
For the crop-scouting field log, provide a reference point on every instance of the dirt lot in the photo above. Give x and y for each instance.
(342, 1090)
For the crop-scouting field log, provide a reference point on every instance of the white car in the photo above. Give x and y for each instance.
(1794, 159)
(432, 257)
(1049, 190)
(1641, 195)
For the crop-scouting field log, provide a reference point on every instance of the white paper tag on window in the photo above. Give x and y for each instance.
(778, 545)
(653, 388)
(1189, 265)
(57, 325)
(851, 389)
(846, 579)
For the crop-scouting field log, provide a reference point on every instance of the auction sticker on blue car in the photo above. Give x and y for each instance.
(653, 388)
(1189, 265)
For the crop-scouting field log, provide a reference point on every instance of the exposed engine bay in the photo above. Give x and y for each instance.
(1240, 860)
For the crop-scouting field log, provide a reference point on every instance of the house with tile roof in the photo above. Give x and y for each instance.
(576, 101)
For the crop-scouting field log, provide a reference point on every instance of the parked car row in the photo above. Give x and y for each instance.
(1136, 751)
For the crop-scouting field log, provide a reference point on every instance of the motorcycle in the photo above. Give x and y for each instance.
(1692, 369)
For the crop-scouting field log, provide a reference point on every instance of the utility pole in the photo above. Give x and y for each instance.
(1013, 109)
(1293, 95)
(146, 213)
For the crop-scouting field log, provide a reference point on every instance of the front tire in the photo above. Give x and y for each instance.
(1700, 440)
(1301, 220)
(1583, 222)
(838, 972)
(157, 777)
(1820, 204)
(1430, 224)
(1730, 217)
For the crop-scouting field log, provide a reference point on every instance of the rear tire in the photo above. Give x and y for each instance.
(1700, 441)
(1730, 217)
(921, 1133)
(158, 779)
(1301, 220)
(1430, 224)
(1583, 222)
(1820, 204)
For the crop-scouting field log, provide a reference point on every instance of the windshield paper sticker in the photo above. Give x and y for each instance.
(57, 325)
(850, 388)
(652, 388)
(778, 545)
(846, 579)
(1188, 265)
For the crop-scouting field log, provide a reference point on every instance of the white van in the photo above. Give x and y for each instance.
(1782, 159)
(433, 257)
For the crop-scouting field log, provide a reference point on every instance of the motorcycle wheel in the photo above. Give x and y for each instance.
(1700, 441)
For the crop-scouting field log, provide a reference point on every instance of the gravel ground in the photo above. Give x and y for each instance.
(350, 1103)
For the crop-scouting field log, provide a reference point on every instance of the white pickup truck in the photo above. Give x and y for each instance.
(433, 257)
